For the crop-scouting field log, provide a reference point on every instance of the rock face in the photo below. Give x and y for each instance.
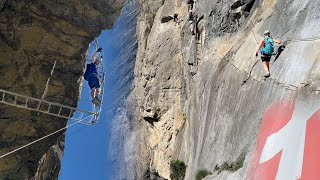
(35, 34)
(202, 101)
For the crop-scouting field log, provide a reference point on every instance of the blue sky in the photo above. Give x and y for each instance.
(86, 147)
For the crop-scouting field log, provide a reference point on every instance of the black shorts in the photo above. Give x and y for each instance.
(94, 82)
(265, 58)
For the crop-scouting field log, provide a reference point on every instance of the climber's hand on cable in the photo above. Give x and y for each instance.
(99, 49)
(256, 54)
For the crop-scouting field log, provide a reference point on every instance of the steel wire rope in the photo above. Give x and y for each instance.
(44, 137)
(35, 155)
(304, 39)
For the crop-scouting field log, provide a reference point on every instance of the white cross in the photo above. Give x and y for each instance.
(291, 140)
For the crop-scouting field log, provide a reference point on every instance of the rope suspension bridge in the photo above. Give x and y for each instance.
(80, 116)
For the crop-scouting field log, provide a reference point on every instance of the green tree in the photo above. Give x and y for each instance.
(202, 173)
(178, 170)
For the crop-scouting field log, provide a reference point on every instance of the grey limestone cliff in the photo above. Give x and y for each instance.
(202, 101)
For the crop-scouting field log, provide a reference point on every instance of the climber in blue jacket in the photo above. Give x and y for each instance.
(266, 47)
(91, 75)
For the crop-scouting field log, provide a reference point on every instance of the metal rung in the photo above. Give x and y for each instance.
(35, 105)
(70, 114)
(39, 104)
(49, 107)
(59, 110)
(81, 116)
(3, 94)
(26, 104)
(86, 123)
(15, 100)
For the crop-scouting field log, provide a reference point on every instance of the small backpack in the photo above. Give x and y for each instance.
(268, 46)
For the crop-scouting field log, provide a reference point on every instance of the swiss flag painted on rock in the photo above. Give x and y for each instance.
(288, 144)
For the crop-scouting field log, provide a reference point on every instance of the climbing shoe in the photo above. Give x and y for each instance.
(96, 101)
(93, 121)
(267, 75)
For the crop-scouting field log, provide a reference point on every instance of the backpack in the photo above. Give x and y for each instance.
(86, 74)
(188, 1)
(268, 46)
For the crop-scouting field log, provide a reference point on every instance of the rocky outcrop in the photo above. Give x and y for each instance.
(35, 34)
(159, 87)
(202, 101)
